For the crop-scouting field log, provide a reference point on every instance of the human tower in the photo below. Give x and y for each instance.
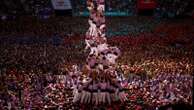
(101, 85)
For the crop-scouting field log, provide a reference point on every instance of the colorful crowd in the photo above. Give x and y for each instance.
(156, 67)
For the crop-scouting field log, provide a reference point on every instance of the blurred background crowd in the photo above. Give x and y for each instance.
(164, 8)
(37, 55)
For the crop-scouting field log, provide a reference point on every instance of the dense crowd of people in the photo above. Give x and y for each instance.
(174, 7)
(149, 84)
(20, 7)
(36, 71)
(162, 89)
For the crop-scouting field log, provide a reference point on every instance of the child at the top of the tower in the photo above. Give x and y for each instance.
(100, 5)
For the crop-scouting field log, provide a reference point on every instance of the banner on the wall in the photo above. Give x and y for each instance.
(61, 4)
